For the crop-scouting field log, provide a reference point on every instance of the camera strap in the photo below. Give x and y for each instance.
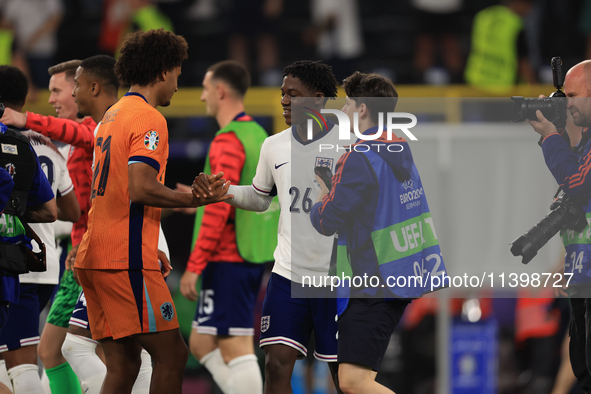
(584, 139)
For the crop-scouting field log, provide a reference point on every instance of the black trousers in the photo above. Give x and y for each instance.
(580, 341)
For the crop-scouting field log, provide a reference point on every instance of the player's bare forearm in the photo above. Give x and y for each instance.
(145, 189)
(68, 208)
(42, 213)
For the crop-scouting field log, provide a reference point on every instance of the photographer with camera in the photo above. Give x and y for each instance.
(569, 163)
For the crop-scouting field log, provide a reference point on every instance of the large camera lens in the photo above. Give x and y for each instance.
(529, 243)
(553, 108)
(565, 213)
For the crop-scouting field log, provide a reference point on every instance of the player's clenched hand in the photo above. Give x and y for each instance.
(71, 258)
(165, 267)
(204, 184)
(208, 189)
(14, 118)
(189, 285)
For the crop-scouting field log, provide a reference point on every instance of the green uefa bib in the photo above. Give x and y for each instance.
(493, 61)
(256, 232)
(11, 226)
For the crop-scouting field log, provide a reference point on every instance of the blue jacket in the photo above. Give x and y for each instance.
(353, 209)
(570, 168)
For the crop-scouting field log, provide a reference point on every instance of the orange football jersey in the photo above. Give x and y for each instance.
(122, 234)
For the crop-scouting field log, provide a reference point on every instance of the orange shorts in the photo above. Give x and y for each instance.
(127, 302)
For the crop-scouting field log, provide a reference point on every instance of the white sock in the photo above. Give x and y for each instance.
(4, 378)
(25, 379)
(45, 382)
(218, 369)
(80, 353)
(144, 377)
(245, 375)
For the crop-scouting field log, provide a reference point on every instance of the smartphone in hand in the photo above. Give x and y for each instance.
(325, 174)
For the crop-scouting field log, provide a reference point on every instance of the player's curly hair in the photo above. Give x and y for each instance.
(314, 75)
(146, 54)
(13, 86)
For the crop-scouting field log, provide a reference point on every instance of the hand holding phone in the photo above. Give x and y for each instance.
(325, 174)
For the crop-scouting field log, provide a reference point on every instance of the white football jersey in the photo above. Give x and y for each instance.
(55, 169)
(288, 164)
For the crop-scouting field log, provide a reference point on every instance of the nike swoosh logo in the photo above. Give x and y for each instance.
(202, 319)
(277, 166)
(76, 310)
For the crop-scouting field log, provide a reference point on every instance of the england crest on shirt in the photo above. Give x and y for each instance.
(265, 323)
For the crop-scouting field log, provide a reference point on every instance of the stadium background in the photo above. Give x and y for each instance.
(419, 354)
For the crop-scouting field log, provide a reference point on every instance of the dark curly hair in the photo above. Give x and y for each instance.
(13, 86)
(375, 91)
(314, 75)
(144, 55)
(101, 68)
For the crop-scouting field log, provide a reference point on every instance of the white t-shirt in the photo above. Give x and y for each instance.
(28, 16)
(288, 165)
(56, 171)
(346, 40)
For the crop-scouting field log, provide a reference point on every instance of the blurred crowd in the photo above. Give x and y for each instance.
(411, 41)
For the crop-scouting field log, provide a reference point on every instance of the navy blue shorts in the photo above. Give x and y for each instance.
(365, 328)
(22, 326)
(226, 302)
(290, 321)
(80, 313)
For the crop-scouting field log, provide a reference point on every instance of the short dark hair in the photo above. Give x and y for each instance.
(13, 86)
(144, 55)
(373, 90)
(68, 67)
(314, 75)
(233, 73)
(102, 69)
